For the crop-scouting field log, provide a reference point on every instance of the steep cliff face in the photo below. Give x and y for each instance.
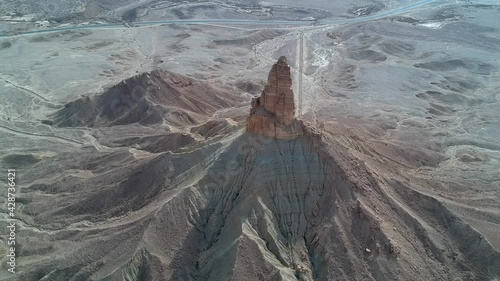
(273, 113)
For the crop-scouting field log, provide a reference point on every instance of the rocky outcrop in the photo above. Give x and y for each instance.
(273, 113)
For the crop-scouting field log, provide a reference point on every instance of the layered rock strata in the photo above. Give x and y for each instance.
(273, 113)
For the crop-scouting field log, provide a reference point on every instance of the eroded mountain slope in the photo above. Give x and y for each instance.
(336, 202)
(149, 98)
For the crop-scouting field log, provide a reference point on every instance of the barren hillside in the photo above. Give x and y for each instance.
(204, 197)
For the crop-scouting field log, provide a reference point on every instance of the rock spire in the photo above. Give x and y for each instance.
(273, 113)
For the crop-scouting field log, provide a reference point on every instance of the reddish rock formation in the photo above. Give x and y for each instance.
(273, 113)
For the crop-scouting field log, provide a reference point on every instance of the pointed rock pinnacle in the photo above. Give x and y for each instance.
(273, 113)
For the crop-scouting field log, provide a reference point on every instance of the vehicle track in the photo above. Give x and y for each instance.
(28, 91)
(301, 68)
(18, 132)
(303, 23)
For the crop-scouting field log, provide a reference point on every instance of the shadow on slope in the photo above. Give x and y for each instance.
(249, 208)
